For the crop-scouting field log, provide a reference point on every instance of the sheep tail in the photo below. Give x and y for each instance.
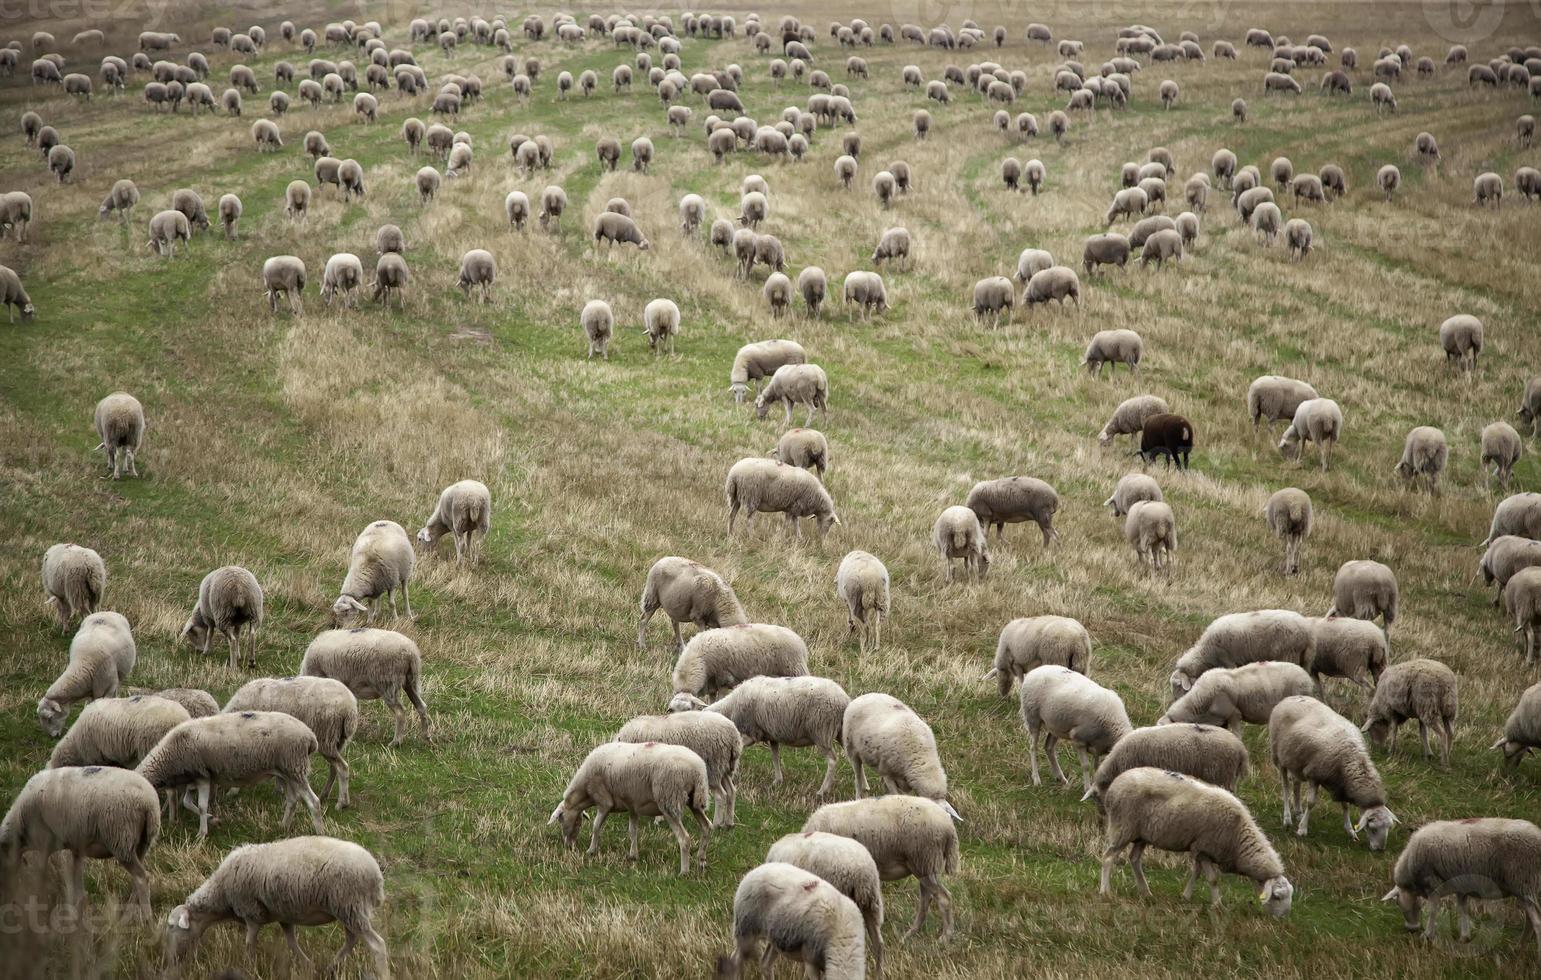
(149, 828)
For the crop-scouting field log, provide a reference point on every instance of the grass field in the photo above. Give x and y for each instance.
(273, 440)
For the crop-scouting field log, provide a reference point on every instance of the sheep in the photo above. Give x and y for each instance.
(1317, 420)
(1034, 173)
(1130, 416)
(718, 658)
(1015, 500)
(866, 291)
(119, 423)
(344, 273)
(813, 286)
(1505, 556)
(1105, 249)
(1167, 435)
(712, 737)
(1238, 639)
(1126, 203)
(1314, 746)
(1146, 227)
(61, 162)
(994, 296)
(229, 601)
(1206, 752)
(883, 732)
(845, 864)
(1147, 807)
(117, 731)
(229, 210)
(350, 179)
(1479, 857)
(1421, 689)
(1271, 398)
(803, 917)
(795, 711)
(1151, 531)
(1130, 490)
(391, 276)
(1461, 337)
(687, 592)
(794, 384)
(380, 563)
(297, 200)
(862, 583)
(91, 812)
(235, 749)
(1382, 98)
(373, 663)
(778, 294)
(1529, 412)
(1057, 283)
(756, 484)
(1522, 730)
(15, 213)
(326, 707)
(1289, 515)
(166, 229)
(300, 881)
(553, 201)
(102, 655)
(427, 182)
(642, 780)
(1297, 236)
(1249, 201)
(618, 229)
(1388, 179)
(1522, 599)
(478, 270)
(804, 448)
(1424, 453)
(122, 198)
(958, 533)
(1229, 696)
(1068, 705)
(284, 275)
(74, 578)
(1113, 347)
(761, 360)
(893, 245)
(464, 511)
(1488, 187)
(1501, 449)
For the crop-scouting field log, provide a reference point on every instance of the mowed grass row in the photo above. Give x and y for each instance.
(274, 439)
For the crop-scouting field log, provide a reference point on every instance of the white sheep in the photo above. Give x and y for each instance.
(380, 564)
(641, 780)
(861, 582)
(1129, 417)
(1317, 420)
(661, 324)
(1148, 807)
(761, 360)
(1069, 706)
(1237, 639)
(478, 271)
(1518, 514)
(1130, 490)
(1228, 696)
(229, 602)
(326, 707)
(302, 881)
(373, 663)
(687, 592)
(1365, 589)
(598, 323)
(74, 579)
(709, 735)
(102, 655)
(1421, 689)
(1031, 642)
(881, 731)
(1501, 448)
(1479, 857)
(805, 448)
(1015, 500)
(1113, 347)
(718, 659)
(1272, 398)
(756, 484)
(117, 731)
(1289, 515)
(801, 916)
(1349, 648)
(1315, 747)
(849, 867)
(795, 384)
(1208, 752)
(284, 275)
(91, 812)
(796, 712)
(1151, 530)
(1424, 454)
(235, 749)
(958, 534)
(464, 512)
(120, 426)
(906, 836)
(1522, 729)
(344, 273)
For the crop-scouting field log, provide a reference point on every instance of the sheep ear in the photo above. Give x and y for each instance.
(1266, 890)
(179, 918)
(555, 815)
(1392, 895)
(949, 810)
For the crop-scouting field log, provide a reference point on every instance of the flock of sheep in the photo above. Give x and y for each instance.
(125, 762)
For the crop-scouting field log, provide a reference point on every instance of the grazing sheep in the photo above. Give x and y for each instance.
(1522, 599)
(1522, 730)
(326, 707)
(1297, 236)
(344, 273)
(1315, 747)
(994, 296)
(1148, 807)
(74, 578)
(1479, 857)
(229, 214)
(380, 564)
(297, 200)
(1501, 449)
(778, 294)
(885, 733)
(1126, 203)
(642, 780)
(117, 731)
(1058, 283)
(805, 448)
(1151, 530)
(1279, 82)
(1031, 262)
(1504, 557)
(793, 384)
(1388, 179)
(846, 865)
(1169, 436)
(598, 324)
(1421, 689)
(91, 812)
(756, 484)
(1206, 752)
(813, 286)
(1111, 248)
(464, 512)
(687, 592)
(661, 324)
(803, 917)
(1015, 500)
(1424, 453)
(102, 655)
(120, 425)
(894, 245)
(235, 749)
(478, 270)
(1228, 696)
(166, 229)
(1130, 416)
(61, 162)
(305, 881)
(1168, 92)
(1070, 706)
(1317, 420)
(1288, 514)
(641, 154)
(122, 198)
(1488, 187)
(284, 275)
(761, 360)
(15, 213)
(1461, 337)
(1529, 412)
(229, 602)
(391, 276)
(1238, 639)
(1348, 648)
(712, 737)
(692, 212)
(1271, 398)
(553, 201)
(373, 663)
(1525, 128)
(958, 533)
(1130, 490)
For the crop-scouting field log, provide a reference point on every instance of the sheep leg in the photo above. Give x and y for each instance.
(705, 827)
(350, 939)
(1284, 777)
(1212, 875)
(679, 641)
(832, 763)
(231, 636)
(1109, 859)
(683, 838)
(1463, 910)
(1051, 749)
(422, 711)
(877, 630)
(776, 764)
(921, 908)
(1533, 915)
(861, 776)
(1032, 753)
(1193, 876)
(141, 884)
(204, 788)
(1136, 865)
(1305, 812)
(293, 942)
(1087, 765)
(1446, 734)
(1423, 733)
(75, 882)
(394, 703)
(600, 816)
(732, 514)
(730, 796)
(1432, 926)
(632, 823)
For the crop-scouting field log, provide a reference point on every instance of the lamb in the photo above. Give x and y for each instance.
(994, 296)
(91, 812)
(284, 275)
(1166, 435)
(305, 881)
(229, 214)
(1317, 420)
(1522, 730)
(1289, 515)
(718, 659)
(794, 384)
(229, 602)
(1147, 807)
(1421, 689)
(122, 198)
(373, 663)
(1315, 747)
(1522, 598)
(391, 276)
(1130, 490)
(687, 591)
(166, 229)
(598, 324)
(1113, 347)
(1207, 752)
(862, 583)
(1015, 500)
(813, 286)
(326, 707)
(1423, 454)
(618, 229)
(478, 270)
(894, 246)
(1105, 249)
(1130, 416)
(1271, 398)
(958, 533)
(102, 655)
(762, 360)
(1501, 449)
(235, 749)
(119, 422)
(1068, 705)
(844, 863)
(906, 836)
(642, 780)
(865, 290)
(117, 731)
(1151, 531)
(1238, 639)
(380, 563)
(464, 512)
(803, 917)
(712, 737)
(1479, 857)
(1058, 284)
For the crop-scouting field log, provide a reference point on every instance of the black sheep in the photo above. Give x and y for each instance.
(1166, 435)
